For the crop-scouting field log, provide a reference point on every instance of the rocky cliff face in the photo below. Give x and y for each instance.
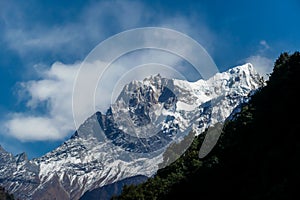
(18, 174)
(131, 137)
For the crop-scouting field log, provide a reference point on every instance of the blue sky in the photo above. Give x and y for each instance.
(42, 40)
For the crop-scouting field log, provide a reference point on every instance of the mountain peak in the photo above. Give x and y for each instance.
(248, 67)
(153, 78)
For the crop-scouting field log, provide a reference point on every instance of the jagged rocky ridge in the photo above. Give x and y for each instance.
(131, 137)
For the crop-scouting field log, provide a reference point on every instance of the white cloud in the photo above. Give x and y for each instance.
(32, 128)
(55, 89)
(263, 65)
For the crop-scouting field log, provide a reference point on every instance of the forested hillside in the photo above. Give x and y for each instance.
(4, 195)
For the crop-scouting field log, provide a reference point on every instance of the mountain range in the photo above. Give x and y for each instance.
(130, 139)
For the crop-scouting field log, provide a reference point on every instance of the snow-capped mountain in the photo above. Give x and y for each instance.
(131, 137)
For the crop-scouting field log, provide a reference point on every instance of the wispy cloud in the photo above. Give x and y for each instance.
(95, 22)
(264, 45)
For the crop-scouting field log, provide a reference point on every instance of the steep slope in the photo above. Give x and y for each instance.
(257, 156)
(4, 195)
(17, 173)
(132, 136)
(107, 191)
